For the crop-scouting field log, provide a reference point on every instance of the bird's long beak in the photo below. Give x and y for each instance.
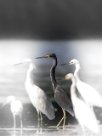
(46, 56)
(70, 63)
(60, 79)
(16, 64)
(22, 62)
(65, 77)
(63, 64)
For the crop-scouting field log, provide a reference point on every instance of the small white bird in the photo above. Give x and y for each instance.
(16, 108)
(89, 94)
(83, 113)
(37, 96)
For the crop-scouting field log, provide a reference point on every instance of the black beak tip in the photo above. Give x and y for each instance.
(63, 64)
(42, 57)
(38, 58)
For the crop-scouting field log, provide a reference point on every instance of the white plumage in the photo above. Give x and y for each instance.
(16, 108)
(89, 94)
(83, 113)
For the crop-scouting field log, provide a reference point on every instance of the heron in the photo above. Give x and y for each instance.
(83, 113)
(16, 108)
(60, 95)
(37, 95)
(89, 94)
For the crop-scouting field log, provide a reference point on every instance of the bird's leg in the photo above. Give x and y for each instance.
(64, 119)
(41, 119)
(38, 121)
(83, 129)
(21, 124)
(60, 120)
(14, 127)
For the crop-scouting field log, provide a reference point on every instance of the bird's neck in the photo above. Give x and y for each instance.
(29, 79)
(52, 73)
(76, 73)
(73, 87)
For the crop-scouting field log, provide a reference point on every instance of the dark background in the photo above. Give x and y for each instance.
(50, 19)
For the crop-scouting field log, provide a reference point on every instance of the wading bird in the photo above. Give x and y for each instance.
(16, 108)
(83, 113)
(89, 94)
(37, 96)
(60, 95)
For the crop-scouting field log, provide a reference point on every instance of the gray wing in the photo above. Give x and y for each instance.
(44, 104)
(63, 100)
(41, 102)
(49, 110)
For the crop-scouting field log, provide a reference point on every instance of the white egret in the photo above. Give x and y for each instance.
(89, 94)
(37, 96)
(60, 95)
(83, 113)
(16, 108)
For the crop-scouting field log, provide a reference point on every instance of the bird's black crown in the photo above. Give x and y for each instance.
(52, 55)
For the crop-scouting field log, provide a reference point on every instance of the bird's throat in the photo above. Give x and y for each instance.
(52, 73)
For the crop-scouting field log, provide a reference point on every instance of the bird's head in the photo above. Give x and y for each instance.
(8, 100)
(68, 76)
(52, 55)
(74, 61)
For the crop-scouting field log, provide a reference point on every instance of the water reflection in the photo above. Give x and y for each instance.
(71, 130)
